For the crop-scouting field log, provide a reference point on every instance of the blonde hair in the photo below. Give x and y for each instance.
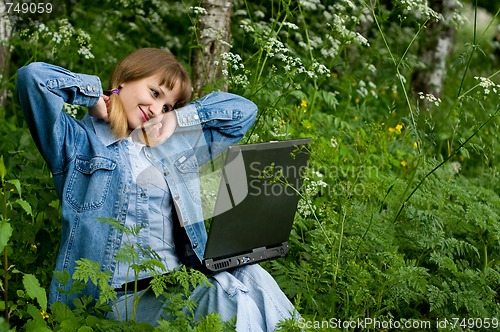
(142, 63)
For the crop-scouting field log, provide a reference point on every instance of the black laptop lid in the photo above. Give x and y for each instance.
(257, 197)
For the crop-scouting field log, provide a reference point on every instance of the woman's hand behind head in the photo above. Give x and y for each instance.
(100, 110)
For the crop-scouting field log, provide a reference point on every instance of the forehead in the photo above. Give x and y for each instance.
(171, 91)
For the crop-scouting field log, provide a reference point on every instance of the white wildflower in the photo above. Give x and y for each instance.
(259, 14)
(72, 110)
(290, 26)
(401, 78)
(310, 4)
(198, 10)
(430, 98)
(86, 53)
(334, 142)
(455, 167)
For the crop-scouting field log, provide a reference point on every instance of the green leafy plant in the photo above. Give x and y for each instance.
(8, 202)
(400, 203)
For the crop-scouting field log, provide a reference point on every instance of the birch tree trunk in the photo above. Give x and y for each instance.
(5, 32)
(214, 38)
(435, 48)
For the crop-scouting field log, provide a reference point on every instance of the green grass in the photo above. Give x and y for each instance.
(399, 214)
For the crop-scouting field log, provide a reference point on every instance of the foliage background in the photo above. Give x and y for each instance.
(399, 217)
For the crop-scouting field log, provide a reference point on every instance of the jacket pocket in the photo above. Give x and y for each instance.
(89, 182)
(187, 165)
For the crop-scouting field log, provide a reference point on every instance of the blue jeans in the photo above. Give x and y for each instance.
(249, 293)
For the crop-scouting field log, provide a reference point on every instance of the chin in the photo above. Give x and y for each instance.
(132, 126)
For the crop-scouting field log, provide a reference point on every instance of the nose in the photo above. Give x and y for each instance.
(155, 109)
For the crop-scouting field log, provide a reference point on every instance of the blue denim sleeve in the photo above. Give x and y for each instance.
(223, 117)
(42, 90)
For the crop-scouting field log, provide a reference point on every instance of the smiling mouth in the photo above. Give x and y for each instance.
(144, 115)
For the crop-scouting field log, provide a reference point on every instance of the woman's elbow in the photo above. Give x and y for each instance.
(247, 109)
(28, 76)
(249, 114)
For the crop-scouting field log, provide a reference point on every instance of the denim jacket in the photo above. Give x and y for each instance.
(88, 163)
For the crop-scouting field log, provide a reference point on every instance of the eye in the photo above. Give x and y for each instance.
(154, 93)
(167, 108)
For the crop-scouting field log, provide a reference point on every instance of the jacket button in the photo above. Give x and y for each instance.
(176, 197)
(195, 245)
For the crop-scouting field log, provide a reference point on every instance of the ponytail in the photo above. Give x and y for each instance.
(117, 117)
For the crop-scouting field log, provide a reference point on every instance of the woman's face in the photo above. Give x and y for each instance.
(144, 99)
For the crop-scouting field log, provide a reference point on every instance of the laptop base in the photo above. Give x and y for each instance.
(257, 255)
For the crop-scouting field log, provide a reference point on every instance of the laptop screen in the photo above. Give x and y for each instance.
(257, 197)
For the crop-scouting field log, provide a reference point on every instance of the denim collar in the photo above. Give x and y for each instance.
(102, 130)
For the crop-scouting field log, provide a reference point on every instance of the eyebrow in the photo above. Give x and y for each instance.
(159, 87)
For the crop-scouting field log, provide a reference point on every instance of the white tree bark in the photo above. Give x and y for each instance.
(214, 37)
(435, 49)
(5, 33)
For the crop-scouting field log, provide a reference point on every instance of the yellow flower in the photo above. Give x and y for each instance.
(391, 130)
(357, 100)
(303, 103)
(356, 118)
(415, 145)
(44, 314)
(33, 246)
(404, 163)
(399, 127)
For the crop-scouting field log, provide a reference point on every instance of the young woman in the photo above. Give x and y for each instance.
(140, 167)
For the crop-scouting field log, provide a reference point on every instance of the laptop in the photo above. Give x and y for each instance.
(256, 203)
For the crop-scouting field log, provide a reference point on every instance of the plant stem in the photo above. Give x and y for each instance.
(443, 162)
(397, 64)
(474, 46)
(5, 261)
(6, 284)
(340, 249)
(475, 86)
